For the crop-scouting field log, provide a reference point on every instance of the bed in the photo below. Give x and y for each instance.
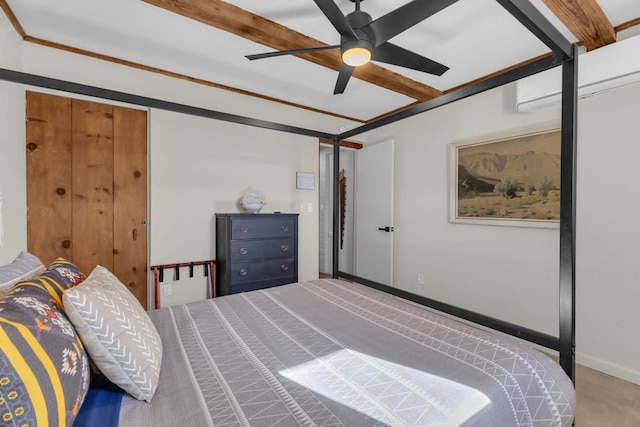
(331, 352)
(81, 350)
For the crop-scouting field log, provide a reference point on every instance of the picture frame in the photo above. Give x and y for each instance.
(511, 180)
(305, 180)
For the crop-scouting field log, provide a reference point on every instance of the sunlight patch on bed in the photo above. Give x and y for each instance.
(386, 391)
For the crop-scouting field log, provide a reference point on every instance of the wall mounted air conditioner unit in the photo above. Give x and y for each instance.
(602, 70)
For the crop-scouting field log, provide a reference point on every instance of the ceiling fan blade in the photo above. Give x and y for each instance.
(343, 78)
(290, 52)
(337, 18)
(396, 55)
(404, 17)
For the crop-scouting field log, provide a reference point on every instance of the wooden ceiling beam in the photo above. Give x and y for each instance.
(238, 21)
(627, 25)
(12, 18)
(586, 20)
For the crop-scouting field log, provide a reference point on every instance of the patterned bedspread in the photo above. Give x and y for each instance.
(331, 353)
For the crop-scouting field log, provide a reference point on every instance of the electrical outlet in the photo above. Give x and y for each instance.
(420, 279)
(168, 289)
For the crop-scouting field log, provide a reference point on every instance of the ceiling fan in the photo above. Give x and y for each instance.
(362, 39)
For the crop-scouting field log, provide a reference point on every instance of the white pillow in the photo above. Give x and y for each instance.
(24, 267)
(117, 332)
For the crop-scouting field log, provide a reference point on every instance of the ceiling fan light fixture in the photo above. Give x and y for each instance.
(356, 52)
(356, 56)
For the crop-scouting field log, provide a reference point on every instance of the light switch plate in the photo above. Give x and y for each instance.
(168, 289)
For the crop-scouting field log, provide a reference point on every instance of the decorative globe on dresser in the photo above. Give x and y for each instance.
(252, 202)
(252, 207)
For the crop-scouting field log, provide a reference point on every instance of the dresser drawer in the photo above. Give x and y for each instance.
(251, 271)
(256, 228)
(267, 248)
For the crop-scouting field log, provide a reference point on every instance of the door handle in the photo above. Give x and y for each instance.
(386, 229)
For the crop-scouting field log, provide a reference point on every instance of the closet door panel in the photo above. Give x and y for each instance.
(48, 156)
(130, 200)
(92, 153)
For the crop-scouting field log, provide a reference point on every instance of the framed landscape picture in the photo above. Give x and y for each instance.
(510, 181)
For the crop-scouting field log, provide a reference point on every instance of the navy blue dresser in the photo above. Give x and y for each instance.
(255, 251)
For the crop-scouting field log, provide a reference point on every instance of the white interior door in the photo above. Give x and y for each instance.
(374, 213)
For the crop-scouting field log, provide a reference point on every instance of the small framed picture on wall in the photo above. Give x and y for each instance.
(305, 180)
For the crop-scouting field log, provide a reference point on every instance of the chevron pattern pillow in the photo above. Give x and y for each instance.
(117, 332)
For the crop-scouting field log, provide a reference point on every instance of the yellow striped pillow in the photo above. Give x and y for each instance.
(60, 276)
(44, 369)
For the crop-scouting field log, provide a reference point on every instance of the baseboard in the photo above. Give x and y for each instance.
(613, 369)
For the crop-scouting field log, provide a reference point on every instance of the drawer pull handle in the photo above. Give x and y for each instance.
(285, 228)
(243, 272)
(284, 248)
(243, 251)
(284, 267)
(244, 229)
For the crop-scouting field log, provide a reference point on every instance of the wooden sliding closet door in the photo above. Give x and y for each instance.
(130, 200)
(49, 207)
(92, 184)
(87, 186)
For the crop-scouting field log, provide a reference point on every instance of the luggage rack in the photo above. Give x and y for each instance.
(158, 275)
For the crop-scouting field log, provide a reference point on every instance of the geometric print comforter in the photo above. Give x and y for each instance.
(333, 353)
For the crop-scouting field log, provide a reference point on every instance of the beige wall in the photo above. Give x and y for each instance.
(200, 167)
(12, 151)
(608, 271)
(512, 273)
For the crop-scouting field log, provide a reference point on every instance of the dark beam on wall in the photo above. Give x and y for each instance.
(568, 179)
(77, 88)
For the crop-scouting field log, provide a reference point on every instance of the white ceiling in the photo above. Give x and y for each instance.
(473, 37)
